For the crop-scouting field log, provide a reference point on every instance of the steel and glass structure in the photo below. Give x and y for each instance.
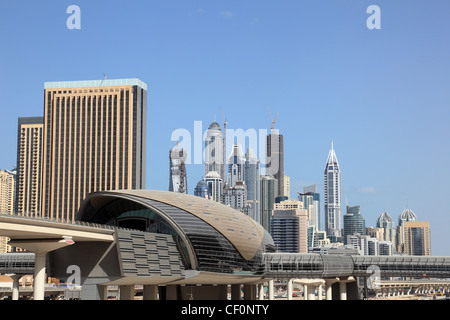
(214, 151)
(252, 181)
(210, 236)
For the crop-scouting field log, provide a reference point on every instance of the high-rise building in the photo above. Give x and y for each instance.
(215, 186)
(407, 215)
(416, 236)
(236, 165)
(289, 227)
(214, 151)
(29, 165)
(332, 196)
(275, 159)
(252, 181)
(236, 195)
(269, 191)
(7, 191)
(94, 140)
(386, 223)
(354, 222)
(311, 202)
(7, 200)
(178, 176)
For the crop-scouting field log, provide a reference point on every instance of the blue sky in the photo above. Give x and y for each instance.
(381, 95)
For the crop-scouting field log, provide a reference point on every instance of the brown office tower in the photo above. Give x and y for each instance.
(94, 140)
(28, 178)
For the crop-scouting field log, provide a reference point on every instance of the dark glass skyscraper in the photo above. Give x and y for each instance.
(275, 159)
(354, 222)
(94, 140)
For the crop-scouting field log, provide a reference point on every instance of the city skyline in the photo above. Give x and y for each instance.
(380, 95)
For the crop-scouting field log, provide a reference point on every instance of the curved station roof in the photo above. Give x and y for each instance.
(210, 236)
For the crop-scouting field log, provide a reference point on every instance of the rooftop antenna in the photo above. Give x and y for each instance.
(104, 78)
(273, 120)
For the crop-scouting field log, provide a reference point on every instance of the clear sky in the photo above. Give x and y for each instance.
(381, 95)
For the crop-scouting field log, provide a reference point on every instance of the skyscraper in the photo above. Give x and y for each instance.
(236, 195)
(7, 199)
(269, 190)
(7, 191)
(94, 140)
(332, 196)
(252, 181)
(275, 159)
(29, 165)
(386, 223)
(236, 165)
(416, 235)
(289, 226)
(354, 222)
(311, 202)
(214, 151)
(215, 186)
(178, 176)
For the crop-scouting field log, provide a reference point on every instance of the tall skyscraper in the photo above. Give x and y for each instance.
(94, 140)
(275, 159)
(386, 223)
(178, 176)
(7, 200)
(252, 181)
(269, 191)
(354, 222)
(214, 151)
(311, 202)
(7, 191)
(416, 235)
(29, 165)
(236, 195)
(236, 165)
(289, 226)
(214, 184)
(332, 196)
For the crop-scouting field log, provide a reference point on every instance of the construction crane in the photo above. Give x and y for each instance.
(273, 120)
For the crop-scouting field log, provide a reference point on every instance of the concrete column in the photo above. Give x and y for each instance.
(343, 290)
(271, 290)
(328, 288)
(261, 291)
(39, 276)
(311, 295)
(15, 285)
(126, 292)
(289, 290)
(305, 292)
(150, 292)
(319, 292)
